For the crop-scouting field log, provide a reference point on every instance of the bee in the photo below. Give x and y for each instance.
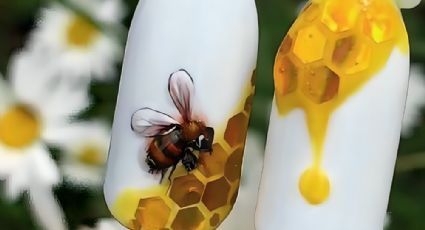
(172, 141)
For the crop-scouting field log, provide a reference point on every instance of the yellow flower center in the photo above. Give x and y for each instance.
(19, 127)
(81, 32)
(91, 155)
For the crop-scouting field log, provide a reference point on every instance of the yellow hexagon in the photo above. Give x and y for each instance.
(214, 220)
(213, 164)
(285, 76)
(351, 55)
(186, 190)
(152, 213)
(188, 218)
(233, 167)
(380, 21)
(236, 130)
(310, 44)
(216, 194)
(310, 12)
(248, 103)
(234, 197)
(339, 16)
(320, 84)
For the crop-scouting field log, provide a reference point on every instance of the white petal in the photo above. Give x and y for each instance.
(109, 224)
(96, 61)
(81, 175)
(30, 76)
(45, 207)
(69, 135)
(43, 168)
(22, 166)
(111, 11)
(65, 100)
(72, 139)
(415, 100)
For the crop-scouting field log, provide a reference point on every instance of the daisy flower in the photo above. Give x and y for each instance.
(77, 44)
(243, 213)
(30, 112)
(415, 100)
(85, 150)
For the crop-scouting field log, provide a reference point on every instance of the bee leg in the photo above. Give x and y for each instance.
(190, 161)
(172, 171)
(163, 171)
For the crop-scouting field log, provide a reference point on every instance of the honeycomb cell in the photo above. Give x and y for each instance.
(285, 76)
(379, 23)
(214, 220)
(286, 45)
(188, 219)
(310, 12)
(136, 225)
(248, 103)
(213, 164)
(339, 16)
(320, 84)
(216, 194)
(233, 167)
(234, 197)
(152, 213)
(351, 55)
(236, 130)
(310, 44)
(186, 190)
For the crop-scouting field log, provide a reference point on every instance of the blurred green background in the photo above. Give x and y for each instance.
(82, 206)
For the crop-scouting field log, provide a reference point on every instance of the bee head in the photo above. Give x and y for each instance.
(205, 140)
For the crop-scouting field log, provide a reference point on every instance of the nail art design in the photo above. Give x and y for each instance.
(341, 77)
(174, 141)
(182, 114)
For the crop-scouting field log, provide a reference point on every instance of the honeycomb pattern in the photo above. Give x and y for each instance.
(286, 76)
(153, 213)
(216, 193)
(310, 44)
(188, 219)
(186, 190)
(214, 220)
(339, 16)
(202, 198)
(332, 50)
(234, 165)
(321, 84)
(233, 134)
(213, 164)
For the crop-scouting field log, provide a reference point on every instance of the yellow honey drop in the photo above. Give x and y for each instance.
(314, 185)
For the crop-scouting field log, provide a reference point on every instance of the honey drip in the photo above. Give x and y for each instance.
(333, 49)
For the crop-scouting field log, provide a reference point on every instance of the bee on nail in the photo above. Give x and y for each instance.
(172, 141)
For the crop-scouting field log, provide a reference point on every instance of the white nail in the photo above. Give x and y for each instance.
(185, 61)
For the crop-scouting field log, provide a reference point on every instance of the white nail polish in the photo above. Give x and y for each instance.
(186, 87)
(341, 78)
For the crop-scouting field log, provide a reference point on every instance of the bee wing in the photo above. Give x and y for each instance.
(181, 88)
(150, 123)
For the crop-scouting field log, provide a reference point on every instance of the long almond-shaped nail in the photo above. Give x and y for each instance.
(182, 114)
(341, 77)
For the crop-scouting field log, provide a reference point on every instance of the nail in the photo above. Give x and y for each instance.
(336, 118)
(185, 89)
